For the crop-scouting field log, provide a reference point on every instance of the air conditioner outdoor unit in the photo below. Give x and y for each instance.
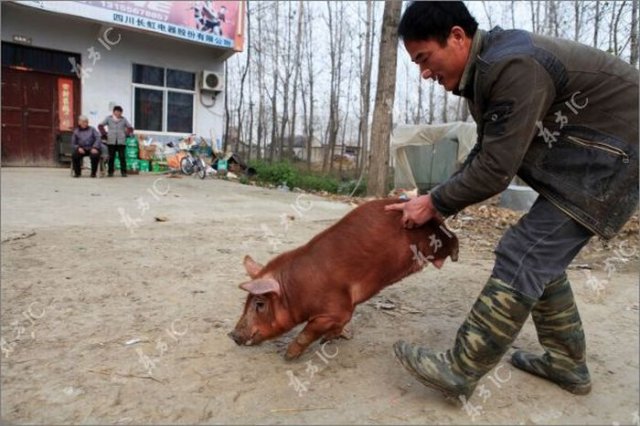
(211, 80)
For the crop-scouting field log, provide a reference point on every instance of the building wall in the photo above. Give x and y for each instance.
(109, 81)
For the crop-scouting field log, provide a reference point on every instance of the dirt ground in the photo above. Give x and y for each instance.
(112, 317)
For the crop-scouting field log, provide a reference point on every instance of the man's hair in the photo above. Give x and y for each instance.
(117, 108)
(424, 20)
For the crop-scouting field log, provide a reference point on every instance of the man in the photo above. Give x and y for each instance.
(85, 140)
(118, 130)
(563, 117)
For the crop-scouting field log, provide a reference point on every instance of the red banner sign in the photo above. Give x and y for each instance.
(65, 103)
(212, 22)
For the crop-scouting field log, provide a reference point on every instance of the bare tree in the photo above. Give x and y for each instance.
(286, 81)
(261, 130)
(418, 117)
(227, 113)
(274, 95)
(614, 28)
(309, 123)
(633, 58)
(365, 89)
(242, 80)
(432, 102)
(335, 23)
(596, 24)
(296, 77)
(578, 7)
(385, 94)
(445, 107)
(486, 11)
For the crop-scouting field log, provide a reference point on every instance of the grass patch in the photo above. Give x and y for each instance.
(279, 173)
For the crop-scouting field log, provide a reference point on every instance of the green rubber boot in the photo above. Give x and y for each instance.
(561, 335)
(492, 325)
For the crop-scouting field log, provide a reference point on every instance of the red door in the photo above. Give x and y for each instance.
(28, 118)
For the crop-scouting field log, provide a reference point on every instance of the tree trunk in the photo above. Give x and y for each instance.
(226, 107)
(385, 94)
(250, 131)
(445, 106)
(285, 88)
(486, 11)
(365, 91)
(274, 95)
(596, 24)
(335, 23)
(242, 80)
(578, 19)
(296, 78)
(418, 118)
(310, 69)
(617, 51)
(611, 31)
(432, 102)
(533, 17)
(633, 59)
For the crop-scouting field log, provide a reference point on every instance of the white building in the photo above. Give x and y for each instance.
(65, 58)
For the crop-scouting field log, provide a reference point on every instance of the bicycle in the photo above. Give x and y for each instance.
(190, 164)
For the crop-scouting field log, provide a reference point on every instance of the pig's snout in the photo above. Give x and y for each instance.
(241, 339)
(236, 337)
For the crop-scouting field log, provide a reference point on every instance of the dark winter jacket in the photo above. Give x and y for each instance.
(561, 115)
(86, 138)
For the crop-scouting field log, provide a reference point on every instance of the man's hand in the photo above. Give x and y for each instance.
(416, 212)
(81, 150)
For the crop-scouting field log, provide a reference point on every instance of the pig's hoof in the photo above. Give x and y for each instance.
(293, 352)
(290, 356)
(345, 333)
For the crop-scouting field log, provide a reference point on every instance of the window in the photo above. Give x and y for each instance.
(163, 99)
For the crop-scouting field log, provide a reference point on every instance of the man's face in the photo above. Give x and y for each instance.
(443, 64)
(117, 113)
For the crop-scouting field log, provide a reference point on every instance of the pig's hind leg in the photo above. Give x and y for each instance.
(342, 332)
(327, 327)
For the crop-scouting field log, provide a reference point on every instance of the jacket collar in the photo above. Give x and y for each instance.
(465, 88)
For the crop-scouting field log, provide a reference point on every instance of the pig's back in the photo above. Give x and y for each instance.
(365, 251)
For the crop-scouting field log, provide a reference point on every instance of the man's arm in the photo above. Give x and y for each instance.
(74, 141)
(519, 95)
(103, 123)
(128, 130)
(96, 139)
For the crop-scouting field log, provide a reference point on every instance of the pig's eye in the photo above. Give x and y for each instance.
(259, 305)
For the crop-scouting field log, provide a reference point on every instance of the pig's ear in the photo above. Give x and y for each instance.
(262, 286)
(253, 268)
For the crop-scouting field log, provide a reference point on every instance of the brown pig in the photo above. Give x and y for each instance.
(321, 282)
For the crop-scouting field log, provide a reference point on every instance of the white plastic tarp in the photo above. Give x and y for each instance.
(404, 136)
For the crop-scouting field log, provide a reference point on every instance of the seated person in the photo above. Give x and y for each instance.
(85, 141)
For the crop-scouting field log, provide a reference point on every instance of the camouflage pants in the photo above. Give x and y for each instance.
(538, 248)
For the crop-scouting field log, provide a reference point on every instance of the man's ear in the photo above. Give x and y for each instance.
(262, 286)
(253, 268)
(457, 34)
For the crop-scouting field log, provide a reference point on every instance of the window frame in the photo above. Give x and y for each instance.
(165, 100)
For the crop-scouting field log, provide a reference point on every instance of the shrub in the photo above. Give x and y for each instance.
(279, 172)
(275, 173)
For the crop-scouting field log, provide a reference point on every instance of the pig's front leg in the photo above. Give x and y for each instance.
(315, 328)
